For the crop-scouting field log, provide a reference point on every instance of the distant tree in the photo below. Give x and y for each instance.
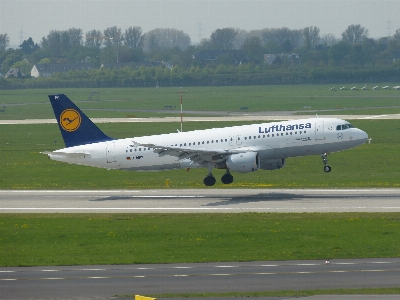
(60, 42)
(354, 34)
(113, 36)
(4, 41)
(12, 57)
(240, 37)
(311, 37)
(165, 38)
(396, 36)
(328, 40)
(24, 66)
(281, 36)
(75, 37)
(133, 38)
(28, 46)
(254, 49)
(94, 38)
(222, 39)
(287, 46)
(339, 51)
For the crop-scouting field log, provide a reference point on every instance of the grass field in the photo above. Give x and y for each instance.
(131, 102)
(75, 239)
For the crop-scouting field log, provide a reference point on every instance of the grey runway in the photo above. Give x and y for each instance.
(201, 201)
(109, 280)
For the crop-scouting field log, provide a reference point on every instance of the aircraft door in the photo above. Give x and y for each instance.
(238, 140)
(111, 152)
(231, 140)
(319, 130)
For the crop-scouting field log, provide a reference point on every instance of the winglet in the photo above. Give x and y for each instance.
(76, 128)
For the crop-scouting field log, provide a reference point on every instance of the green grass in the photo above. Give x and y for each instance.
(125, 102)
(23, 167)
(85, 239)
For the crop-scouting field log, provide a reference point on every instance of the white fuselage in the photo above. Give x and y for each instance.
(270, 140)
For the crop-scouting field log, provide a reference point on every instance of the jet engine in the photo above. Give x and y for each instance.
(243, 162)
(272, 164)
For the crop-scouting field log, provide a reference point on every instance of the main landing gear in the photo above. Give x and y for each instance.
(327, 168)
(227, 178)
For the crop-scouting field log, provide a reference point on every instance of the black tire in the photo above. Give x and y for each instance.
(327, 169)
(209, 180)
(227, 178)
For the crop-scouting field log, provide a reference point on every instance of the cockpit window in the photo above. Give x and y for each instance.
(344, 126)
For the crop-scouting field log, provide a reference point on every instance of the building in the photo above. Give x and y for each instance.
(207, 56)
(46, 70)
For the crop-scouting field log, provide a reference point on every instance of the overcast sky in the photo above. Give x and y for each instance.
(22, 19)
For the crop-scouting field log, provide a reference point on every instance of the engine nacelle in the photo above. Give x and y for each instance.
(243, 162)
(272, 164)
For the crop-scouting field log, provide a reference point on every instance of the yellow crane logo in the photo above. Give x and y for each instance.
(70, 120)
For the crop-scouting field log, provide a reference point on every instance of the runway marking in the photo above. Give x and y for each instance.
(7, 271)
(93, 269)
(226, 266)
(200, 275)
(49, 270)
(182, 267)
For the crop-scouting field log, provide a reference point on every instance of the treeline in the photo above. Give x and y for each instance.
(303, 56)
(220, 76)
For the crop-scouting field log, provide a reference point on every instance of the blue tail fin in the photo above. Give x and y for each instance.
(76, 128)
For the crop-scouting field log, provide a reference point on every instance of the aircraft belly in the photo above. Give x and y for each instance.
(147, 163)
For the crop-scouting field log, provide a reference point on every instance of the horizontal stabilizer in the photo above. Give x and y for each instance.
(67, 154)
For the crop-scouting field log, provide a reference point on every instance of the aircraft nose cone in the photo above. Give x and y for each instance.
(363, 136)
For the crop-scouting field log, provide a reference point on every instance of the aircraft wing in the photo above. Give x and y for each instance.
(198, 155)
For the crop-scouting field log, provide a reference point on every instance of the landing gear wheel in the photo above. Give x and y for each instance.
(327, 168)
(227, 178)
(209, 180)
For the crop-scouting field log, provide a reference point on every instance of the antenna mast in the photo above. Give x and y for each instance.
(181, 110)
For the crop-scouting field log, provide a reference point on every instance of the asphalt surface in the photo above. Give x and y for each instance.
(105, 281)
(201, 201)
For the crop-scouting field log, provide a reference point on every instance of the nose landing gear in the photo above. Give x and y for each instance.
(327, 168)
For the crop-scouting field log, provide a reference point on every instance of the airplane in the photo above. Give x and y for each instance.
(243, 149)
